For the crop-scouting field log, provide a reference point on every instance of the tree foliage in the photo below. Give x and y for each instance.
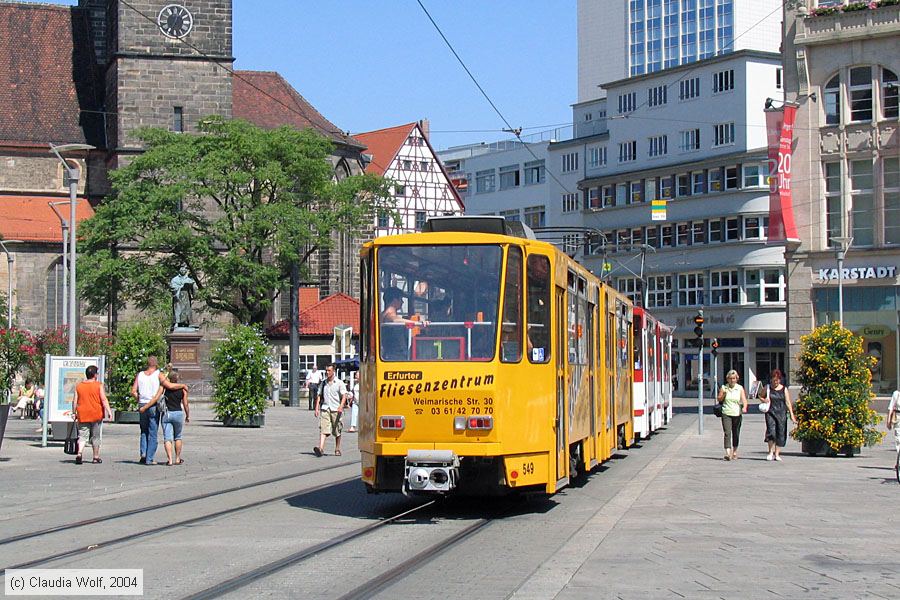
(241, 363)
(130, 350)
(835, 375)
(15, 347)
(237, 205)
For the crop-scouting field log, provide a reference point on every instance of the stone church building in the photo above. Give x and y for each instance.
(94, 73)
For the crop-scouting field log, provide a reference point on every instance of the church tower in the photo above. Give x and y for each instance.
(167, 65)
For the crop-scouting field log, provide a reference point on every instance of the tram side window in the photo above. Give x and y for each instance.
(638, 342)
(511, 344)
(367, 308)
(538, 309)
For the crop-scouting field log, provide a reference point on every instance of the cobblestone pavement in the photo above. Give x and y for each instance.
(668, 519)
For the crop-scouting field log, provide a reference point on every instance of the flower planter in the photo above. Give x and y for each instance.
(127, 417)
(821, 448)
(254, 421)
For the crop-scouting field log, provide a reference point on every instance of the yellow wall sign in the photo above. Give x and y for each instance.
(658, 210)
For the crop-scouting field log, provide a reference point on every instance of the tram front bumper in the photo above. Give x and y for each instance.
(431, 471)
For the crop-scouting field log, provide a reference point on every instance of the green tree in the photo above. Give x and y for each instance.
(15, 348)
(132, 346)
(237, 205)
(835, 378)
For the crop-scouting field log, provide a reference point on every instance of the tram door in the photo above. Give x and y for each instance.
(562, 453)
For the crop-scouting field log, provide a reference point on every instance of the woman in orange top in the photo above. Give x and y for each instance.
(90, 407)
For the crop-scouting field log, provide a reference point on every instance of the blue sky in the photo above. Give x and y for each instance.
(368, 64)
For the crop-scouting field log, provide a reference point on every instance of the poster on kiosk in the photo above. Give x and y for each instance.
(61, 375)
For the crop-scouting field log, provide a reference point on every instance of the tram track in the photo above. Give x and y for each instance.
(205, 496)
(368, 588)
(156, 530)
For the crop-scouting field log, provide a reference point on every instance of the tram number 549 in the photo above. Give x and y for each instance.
(528, 468)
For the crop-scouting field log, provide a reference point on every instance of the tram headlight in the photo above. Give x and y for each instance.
(418, 478)
(439, 477)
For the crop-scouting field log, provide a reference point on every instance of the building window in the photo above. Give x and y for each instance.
(407, 165)
(56, 302)
(570, 243)
(832, 102)
(484, 181)
(627, 102)
(659, 291)
(683, 234)
(698, 182)
(658, 145)
(715, 230)
(715, 180)
(891, 169)
(752, 228)
(631, 287)
(657, 96)
(684, 185)
(755, 176)
(178, 119)
(860, 94)
(509, 177)
(652, 236)
(637, 192)
(596, 157)
(421, 217)
(723, 134)
(608, 196)
(569, 203)
(627, 151)
(594, 197)
(779, 84)
(772, 286)
(621, 194)
(723, 81)
(511, 215)
(690, 140)
(862, 202)
(724, 287)
(570, 162)
(890, 93)
(667, 236)
(732, 229)
(400, 190)
(832, 201)
(690, 289)
(424, 165)
(534, 172)
(698, 232)
(666, 187)
(731, 178)
(535, 217)
(689, 88)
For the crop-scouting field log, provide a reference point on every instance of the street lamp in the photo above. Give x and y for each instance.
(65, 263)
(72, 174)
(9, 265)
(843, 244)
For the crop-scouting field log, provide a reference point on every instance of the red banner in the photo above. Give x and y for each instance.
(780, 130)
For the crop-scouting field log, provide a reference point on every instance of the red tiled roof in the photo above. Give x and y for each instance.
(30, 218)
(267, 100)
(48, 76)
(321, 318)
(383, 145)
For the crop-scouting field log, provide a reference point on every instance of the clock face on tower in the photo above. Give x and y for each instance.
(175, 21)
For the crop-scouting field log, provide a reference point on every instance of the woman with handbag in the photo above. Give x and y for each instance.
(779, 399)
(734, 403)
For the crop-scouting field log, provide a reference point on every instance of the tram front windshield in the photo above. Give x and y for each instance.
(438, 303)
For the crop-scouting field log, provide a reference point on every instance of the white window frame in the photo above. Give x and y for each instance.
(723, 134)
(657, 96)
(508, 170)
(628, 151)
(529, 214)
(570, 162)
(627, 102)
(691, 288)
(485, 181)
(723, 81)
(569, 203)
(659, 291)
(690, 140)
(658, 145)
(689, 89)
(724, 287)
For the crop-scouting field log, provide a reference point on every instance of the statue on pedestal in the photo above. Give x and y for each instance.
(182, 287)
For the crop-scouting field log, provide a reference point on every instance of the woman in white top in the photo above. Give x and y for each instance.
(893, 409)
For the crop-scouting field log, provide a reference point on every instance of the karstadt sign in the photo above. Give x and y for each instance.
(858, 273)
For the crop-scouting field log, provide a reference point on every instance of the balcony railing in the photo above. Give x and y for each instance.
(842, 26)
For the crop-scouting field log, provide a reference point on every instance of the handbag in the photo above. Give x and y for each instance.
(764, 407)
(717, 409)
(71, 444)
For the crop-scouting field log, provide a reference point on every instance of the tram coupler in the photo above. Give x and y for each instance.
(431, 471)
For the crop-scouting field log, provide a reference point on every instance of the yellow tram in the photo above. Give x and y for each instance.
(489, 361)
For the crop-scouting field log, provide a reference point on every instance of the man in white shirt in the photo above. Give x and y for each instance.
(313, 379)
(332, 400)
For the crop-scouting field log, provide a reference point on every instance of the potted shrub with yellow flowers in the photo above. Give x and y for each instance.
(833, 413)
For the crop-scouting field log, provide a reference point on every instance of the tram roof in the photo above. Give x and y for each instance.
(455, 237)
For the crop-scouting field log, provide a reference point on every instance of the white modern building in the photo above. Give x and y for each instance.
(693, 136)
(621, 38)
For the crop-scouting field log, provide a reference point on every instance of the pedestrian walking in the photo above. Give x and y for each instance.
(780, 406)
(734, 403)
(144, 389)
(90, 406)
(329, 410)
(353, 400)
(313, 379)
(893, 410)
(177, 412)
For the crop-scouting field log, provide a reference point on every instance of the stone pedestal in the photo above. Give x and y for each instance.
(184, 354)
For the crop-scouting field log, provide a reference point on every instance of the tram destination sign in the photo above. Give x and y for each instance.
(858, 273)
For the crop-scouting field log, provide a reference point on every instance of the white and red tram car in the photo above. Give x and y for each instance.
(652, 373)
